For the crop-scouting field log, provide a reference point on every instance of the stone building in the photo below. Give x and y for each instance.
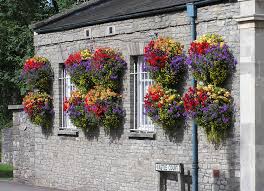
(125, 160)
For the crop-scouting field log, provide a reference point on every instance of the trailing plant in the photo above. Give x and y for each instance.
(106, 106)
(114, 115)
(79, 116)
(164, 106)
(38, 106)
(211, 59)
(37, 74)
(109, 68)
(212, 108)
(79, 67)
(165, 61)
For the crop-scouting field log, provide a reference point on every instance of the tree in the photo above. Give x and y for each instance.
(65, 4)
(16, 44)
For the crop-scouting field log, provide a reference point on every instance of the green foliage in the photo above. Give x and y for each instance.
(219, 72)
(85, 122)
(215, 131)
(66, 4)
(112, 121)
(6, 171)
(44, 120)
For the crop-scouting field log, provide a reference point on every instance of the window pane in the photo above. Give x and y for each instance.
(145, 81)
(66, 89)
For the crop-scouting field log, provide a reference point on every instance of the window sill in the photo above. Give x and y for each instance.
(68, 132)
(141, 135)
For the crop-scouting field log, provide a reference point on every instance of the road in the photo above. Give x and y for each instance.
(14, 186)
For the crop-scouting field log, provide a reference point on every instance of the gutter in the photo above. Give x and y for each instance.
(37, 27)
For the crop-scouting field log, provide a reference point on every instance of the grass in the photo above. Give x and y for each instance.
(6, 171)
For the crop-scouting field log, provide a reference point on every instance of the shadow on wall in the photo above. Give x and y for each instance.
(47, 131)
(92, 133)
(225, 179)
(115, 133)
(176, 135)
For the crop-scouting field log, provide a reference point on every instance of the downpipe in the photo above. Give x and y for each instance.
(192, 13)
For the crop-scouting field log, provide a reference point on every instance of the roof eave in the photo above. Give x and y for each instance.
(117, 18)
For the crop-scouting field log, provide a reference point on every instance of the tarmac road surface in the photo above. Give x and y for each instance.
(14, 186)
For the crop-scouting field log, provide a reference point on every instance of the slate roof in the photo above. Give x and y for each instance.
(103, 11)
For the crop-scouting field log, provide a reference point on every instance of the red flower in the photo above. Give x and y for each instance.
(32, 64)
(198, 47)
(75, 58)
(194, 98)
(66, 105)
(159, 105)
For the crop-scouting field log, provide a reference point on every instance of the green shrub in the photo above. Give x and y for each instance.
(6, 171)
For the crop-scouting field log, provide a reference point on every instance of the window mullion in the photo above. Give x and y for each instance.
(138, 95)
(135, 93)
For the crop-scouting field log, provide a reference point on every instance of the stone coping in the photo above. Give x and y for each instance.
(15, 107)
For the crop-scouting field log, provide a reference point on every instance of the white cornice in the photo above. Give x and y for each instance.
(250, 18)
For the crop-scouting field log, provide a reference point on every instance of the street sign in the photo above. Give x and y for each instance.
(168, 167)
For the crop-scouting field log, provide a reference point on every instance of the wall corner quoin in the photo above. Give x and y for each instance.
(251, 24)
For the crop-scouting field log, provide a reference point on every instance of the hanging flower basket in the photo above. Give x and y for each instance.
(79, 67)
(106, 106)
(109, 68)
(164, 106)
(212, 108)
(165, 61)
(37, 74)
(211, 60)
(77, 112)
(39, 108)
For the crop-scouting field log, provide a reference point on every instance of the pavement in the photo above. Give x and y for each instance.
(7, 185)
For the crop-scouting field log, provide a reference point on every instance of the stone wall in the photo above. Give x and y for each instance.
(113, 161)
(7, 145)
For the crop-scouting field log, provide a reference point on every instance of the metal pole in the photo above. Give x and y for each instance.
(192, 13)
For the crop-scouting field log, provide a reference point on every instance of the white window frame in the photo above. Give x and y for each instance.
(67, 87)
(141, 82)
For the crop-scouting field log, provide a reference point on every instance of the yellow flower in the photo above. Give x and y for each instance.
(216, 101)
(171, 98)
(227, 94)
(86, 54)
(205, 88)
